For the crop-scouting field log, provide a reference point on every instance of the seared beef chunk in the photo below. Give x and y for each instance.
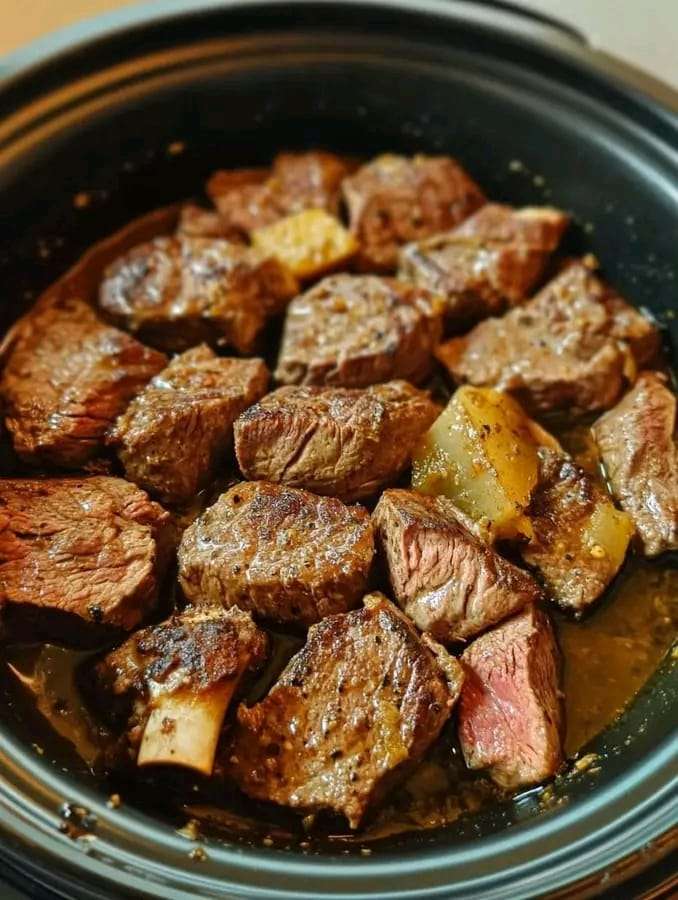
(66, 379)
(79, 551)
(352, 331)
(535, 227)
(195, 221)
(490, 261)
(284, 554)
(448, 582)
(174, 682)
(249, 199)
(395, 199)
(348, 443)
(510, 712)
(179, 291)
(352, 713)
(580, 539)
(638, 447)
(173, 434)
(237, 195)
(569, 348)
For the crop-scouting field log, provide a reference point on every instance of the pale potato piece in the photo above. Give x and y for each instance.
(309, 243)
(608, 533)
(481, 452)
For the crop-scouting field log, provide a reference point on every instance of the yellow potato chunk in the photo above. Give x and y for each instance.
(607, 533)
(308, 243)
(481, 452)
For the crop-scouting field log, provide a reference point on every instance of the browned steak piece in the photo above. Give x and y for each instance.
(638, 446)
(179, 291)
(449, 583)
(284, 554)
(234, 193)
(172, 683)
(174, 433)
(348, 443)
(580, 539)
(196, 221)
(352, 331)
(396, 199)
(250, 199)
(491, 260)
(80, 551)
(510, 712)
(66, 379)
(354, 710)
(571, 347)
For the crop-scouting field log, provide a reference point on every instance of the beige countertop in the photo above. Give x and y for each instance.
(23, 22)
(642, 33)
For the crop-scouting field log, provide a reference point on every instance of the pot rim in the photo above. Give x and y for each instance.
(519, 21)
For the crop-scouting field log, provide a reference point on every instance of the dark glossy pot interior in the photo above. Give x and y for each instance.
(137, 120)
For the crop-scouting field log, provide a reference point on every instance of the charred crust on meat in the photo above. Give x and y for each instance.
(570, 348)
(382, 329)
(261, 555)
(338, 441)
(205, 647)
(66, 378)
(491, 261)
(383, 728)
(113, 543)
(396, 199)
(176, 292)
(174, 434)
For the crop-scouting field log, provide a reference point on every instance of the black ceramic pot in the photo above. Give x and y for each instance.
(136, 110)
